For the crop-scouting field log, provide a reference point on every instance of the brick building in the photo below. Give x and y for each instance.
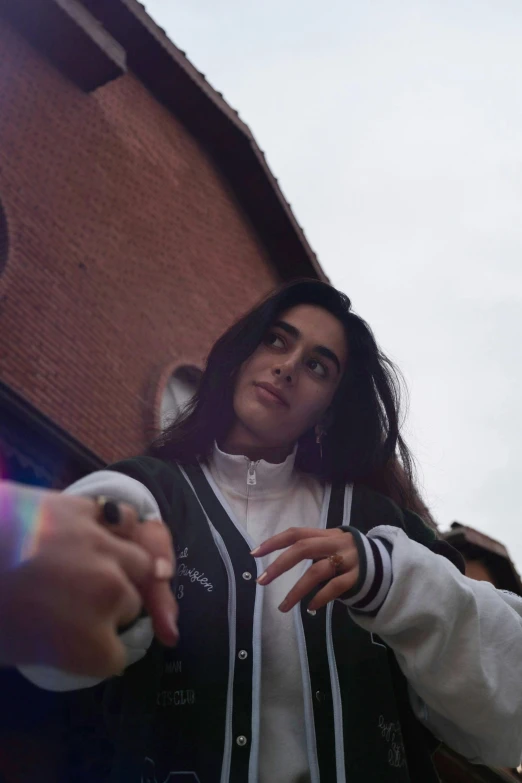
(137, 218)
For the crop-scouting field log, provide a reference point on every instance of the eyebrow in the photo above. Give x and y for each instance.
(320, 349)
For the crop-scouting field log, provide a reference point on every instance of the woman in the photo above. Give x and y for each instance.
(323, 637)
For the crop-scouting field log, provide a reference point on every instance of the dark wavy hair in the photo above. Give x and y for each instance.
(363, 443)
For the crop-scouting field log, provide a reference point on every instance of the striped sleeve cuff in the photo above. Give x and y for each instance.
(375, 574)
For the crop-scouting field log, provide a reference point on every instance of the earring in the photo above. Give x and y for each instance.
(319, 434)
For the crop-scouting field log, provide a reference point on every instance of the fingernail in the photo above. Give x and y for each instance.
(262, 579)
(163, 568)
(283, 605)
(255, 551)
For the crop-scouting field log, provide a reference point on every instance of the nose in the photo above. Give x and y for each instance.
(284, 373)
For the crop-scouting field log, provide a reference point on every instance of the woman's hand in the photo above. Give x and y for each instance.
(67, 583)
(340, 572)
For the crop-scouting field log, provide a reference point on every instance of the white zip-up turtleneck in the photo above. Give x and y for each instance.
(266, 499)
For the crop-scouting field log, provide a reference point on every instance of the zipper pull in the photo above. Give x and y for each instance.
(251, 475)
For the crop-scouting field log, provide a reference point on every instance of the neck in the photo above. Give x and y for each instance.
(245, 443)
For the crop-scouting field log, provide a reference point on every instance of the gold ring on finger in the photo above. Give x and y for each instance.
(336, 561)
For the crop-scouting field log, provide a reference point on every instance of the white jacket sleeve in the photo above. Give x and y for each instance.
(459, 645)
(137, 639)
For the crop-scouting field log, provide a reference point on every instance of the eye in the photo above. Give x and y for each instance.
(274, 340)
(317, 368)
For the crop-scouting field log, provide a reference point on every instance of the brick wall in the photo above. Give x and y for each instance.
(127, 250)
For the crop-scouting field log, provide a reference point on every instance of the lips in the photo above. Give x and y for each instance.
(268, 387)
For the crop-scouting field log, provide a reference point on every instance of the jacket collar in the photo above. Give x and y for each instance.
(231, 471)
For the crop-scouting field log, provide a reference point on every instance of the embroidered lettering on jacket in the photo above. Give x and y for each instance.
(195, 576)
(149, 775)
(392, 734)
(175, 698)
(172, 667)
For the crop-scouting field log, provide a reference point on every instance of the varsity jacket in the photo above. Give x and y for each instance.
(372, 711)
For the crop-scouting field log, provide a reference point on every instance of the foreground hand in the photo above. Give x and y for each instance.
(154, 537)
(67, 584)
(318, 545)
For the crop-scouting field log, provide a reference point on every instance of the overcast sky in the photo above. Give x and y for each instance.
(395, 130)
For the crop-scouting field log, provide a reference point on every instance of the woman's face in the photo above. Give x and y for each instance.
(288, 383)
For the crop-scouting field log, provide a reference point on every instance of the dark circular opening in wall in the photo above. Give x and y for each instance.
(4, 239)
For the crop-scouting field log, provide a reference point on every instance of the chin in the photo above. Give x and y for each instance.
(266, 427)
